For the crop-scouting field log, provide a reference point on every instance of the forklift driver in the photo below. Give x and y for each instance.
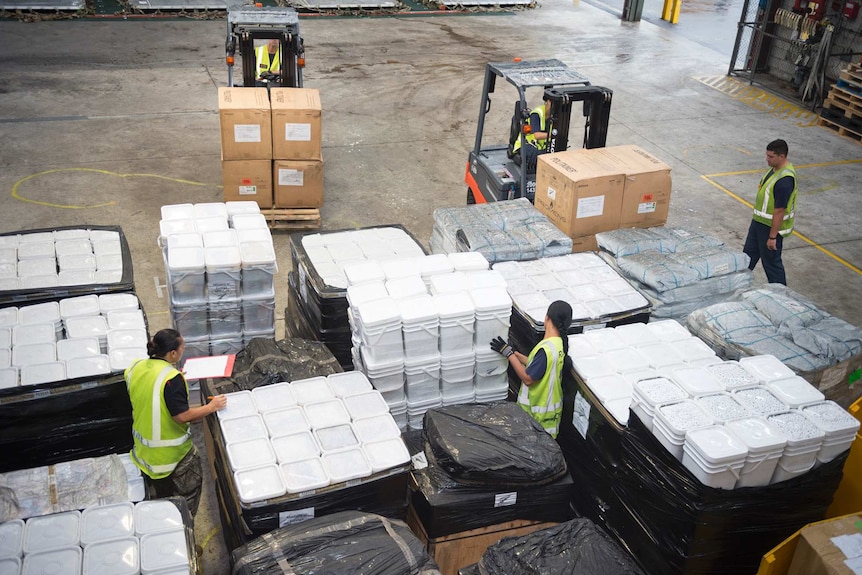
(537, 139)
(268, 60)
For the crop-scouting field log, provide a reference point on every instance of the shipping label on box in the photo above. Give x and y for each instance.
(298, 183)
(246, 124)
(296, 124)
(829, 548)
(248, 180)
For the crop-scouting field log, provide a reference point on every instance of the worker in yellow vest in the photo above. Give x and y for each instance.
(541, 373)
(161, 415)
(774, 213)
(537, 138)
(268, 58)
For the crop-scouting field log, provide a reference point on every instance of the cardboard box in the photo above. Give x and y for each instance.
(817, 553)
(585, 244)
(646, 196)
(298, 183)
(296, 124)
(578, 195)
(247, 180)
(246, 124)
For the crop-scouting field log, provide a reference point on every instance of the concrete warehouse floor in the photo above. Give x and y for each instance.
(102, 122)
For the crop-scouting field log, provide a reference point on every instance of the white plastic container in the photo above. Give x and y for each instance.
(468, 261)
(366, 292)
(311, 390)
(336, 437)
(239, 404)
(765, 368)
(441, 284)
(696, 381)
(10, 566)
(605, 340)
(295, 447)
(258, 269)
(249, 222)
(285, 421)
(456, 368)
(348, 383)
(88, 366)
(715, 456)
(493, 308)
(156, 516)
(765, 447)
(491, 370)
(731, 375)
(839, 428)
(668, 330)
(32, 354)
(163, 551)
(305, 475)
(64, 561)
(121, 358)
(48, 312)
(191, 320)
(33, 334)
(693, 350)
(363, 272)
(36, 250)
(326, 413)
(37, 373)
(380, 329)
(258, 315)
(73, 247)
(673, 421)
(259, 484)
(118, 557)
(367, 404)
(119, 338)
(117, 302)
(52, 532)
(420, 326)
(9, 317)
(376, 428)
(11, 538)
(804, 440)
(37, 268)
(661, 355)
(385, 376)
(722, 407)
(237, 429)
(223, 273)
(484, 279)
(220, 238)
(224, 320)
(178, 212)
(273, 397)
(346, 464)
(88, 326)
(8, 377)
(759, 400)
(404, 287)
(457, 319)
(593, 366)
(608, 388)
(250, 454)
(241, 207)
(386, 454)
(210, 210)
(136, 489)
(625, 360)
(795, 391)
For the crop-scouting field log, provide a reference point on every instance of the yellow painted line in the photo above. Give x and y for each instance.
(209, 537)
(16, 186)
(758, 99)
(799, 167)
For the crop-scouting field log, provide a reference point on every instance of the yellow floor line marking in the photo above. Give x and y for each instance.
(759, 99)
(807, 240)
(15, 187)
(209, 537)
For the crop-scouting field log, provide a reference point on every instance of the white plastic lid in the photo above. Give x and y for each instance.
(80, 246)
(9, 317)
(363, 405)
(379, 313)
(248, 221)
(434, 264)
(348, 383)
(336, 437)
(37, 373)
(796, 427)
(295, 447)
(605, 339)
(243, 428)
(580, 346)
(222, 257)
(305, 475)
(398, 268)
(102, 235)
(693, 349)
(33, 354)
(34, 333)
(491, 299)
(376, 428)
(326, 413)
(668, 330)
(78, 306)
(658, 390)
(731, 375)
(723, 407)
(118, 557)
(417, 309)
(117, 302)
(48, 312)
(696, 380)
(220, 238)
(250, 454)
(273, 397)
(682, 416)
(448, 283)
(87, 326)
(468, 261)
(364, 272)
(454, 305)
(178, 212)
(190, 240)
(610, 387)
(107, 261)
(795, 391)
(11, 538)
(346, 464)
(186, 259)
(358, 294)
(88, 366)
(831, 417)
(5, 357)
(765, 368)
(107, 522)
(311, 390)
(65, 561)
(38, 267)
(257, 254)
(164, 550)
(619, 409)
(406, 287)
(625, 360)
(239, 404)
(35, 250)
(759, 400)
(156, 516)
(254, 235)
(122, 357)
(757, 434)
(259, 484)
(10, 566)
(285, 421)
(211, 224)
(716, 444)
(76, 262)
(52, 531)
(592, 366)
(386, 454)
(485, 279)
(241, 207)
(661, 354)
(210, 210)
(118, 338)
(71, 234)
(35, 237)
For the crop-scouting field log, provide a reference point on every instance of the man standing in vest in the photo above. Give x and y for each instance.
(268, 58)
(774, 211)
(537, 138)
(161, 415)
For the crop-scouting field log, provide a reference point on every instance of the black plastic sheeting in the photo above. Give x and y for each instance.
(492, 443)
(675, 525)
(298, 323)
(347, 543)
(577, 547)
(69, 420)
(265, 361)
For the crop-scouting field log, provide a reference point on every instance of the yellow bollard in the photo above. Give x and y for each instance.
(677, 4)
(666, 10)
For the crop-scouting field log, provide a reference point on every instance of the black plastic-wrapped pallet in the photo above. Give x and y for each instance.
(298, 323)
(126, 283)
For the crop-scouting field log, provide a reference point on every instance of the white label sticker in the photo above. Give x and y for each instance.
(246, 133)
(581, 414)
(552, 193)
(646, 207)
(296, 516)
(297, 132)
(505, 499)
(720, 269)
(419, 460)
(850, 545)
(855, 565)
(290, 177)
(247, 190)
(591, 207)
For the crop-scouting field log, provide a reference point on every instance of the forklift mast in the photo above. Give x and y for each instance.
(246, 24)
(597, 111)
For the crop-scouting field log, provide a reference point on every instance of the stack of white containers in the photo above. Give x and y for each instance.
(300, 436)
(220, 265)
(123, 539)
(421, 329)
(60, 258)
(70, 338)
(732, 424)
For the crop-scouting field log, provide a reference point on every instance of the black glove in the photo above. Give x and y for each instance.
(499, 345)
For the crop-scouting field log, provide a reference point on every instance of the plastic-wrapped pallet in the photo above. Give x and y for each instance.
(774, 320)
(346, 542)
(501, 231)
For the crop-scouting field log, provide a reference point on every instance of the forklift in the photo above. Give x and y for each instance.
(495, 173)
(247, 24)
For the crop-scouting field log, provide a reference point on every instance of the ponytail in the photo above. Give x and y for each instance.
(560, 314)
(163, 343)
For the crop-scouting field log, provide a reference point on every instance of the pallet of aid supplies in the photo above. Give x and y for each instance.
(292, 219)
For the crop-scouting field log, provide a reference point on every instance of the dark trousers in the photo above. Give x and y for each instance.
(755, 248)
(185, 481)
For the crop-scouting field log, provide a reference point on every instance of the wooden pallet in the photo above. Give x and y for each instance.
(292, 219)
(847, 133)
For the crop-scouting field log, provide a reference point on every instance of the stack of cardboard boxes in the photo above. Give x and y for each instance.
(271, 146)
(584, 192)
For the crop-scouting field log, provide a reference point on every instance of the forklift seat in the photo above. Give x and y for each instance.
(514, 133)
